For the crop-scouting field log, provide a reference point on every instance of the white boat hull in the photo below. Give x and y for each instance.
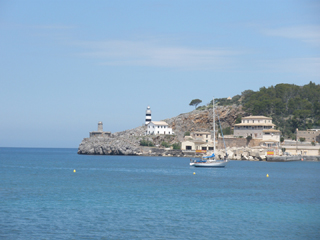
(214, 163)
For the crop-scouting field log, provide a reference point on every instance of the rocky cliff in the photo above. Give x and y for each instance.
(202, 120)
(128, 142)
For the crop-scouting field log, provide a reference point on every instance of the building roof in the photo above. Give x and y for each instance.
(201, 132)
(269, 140)
(160, 123)
(257, 117)
(271, 130)
(308, 130)
(254, 124)
(199, 141)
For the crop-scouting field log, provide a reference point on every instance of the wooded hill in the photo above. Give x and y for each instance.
(289, 105)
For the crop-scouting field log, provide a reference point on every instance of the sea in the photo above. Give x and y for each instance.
(58, 194)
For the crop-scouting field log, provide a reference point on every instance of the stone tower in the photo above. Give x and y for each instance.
(148, 116)
(100, 127)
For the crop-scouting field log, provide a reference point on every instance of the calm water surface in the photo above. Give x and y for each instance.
(121, 197)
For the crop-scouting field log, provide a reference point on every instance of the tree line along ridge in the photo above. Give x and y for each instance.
(289, 105)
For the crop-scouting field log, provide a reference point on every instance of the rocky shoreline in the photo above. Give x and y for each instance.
(128, 142)
(118, 145)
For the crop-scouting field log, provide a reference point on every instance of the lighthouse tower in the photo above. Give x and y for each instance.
(148, 116)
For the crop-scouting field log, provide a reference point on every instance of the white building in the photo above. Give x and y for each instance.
(270, 138)
(302, 149)
(158, 127)
(253, 126)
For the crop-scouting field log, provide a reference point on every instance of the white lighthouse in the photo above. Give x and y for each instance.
(148, 116)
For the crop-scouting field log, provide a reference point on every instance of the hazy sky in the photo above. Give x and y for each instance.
(65, 65)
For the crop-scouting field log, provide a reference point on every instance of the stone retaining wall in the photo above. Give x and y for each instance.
(237, 142)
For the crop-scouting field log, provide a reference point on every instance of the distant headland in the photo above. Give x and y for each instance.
(256, 125)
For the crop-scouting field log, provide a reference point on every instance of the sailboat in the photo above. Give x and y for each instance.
(210, 161)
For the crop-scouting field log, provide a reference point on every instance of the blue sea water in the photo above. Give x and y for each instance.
(127, 197)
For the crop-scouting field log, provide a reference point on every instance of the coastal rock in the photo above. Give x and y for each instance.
(107, 146)
(128, 142)
(201, 120)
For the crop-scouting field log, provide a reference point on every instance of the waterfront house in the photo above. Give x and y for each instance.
(198, 141)
(253, 126)
(270, 138)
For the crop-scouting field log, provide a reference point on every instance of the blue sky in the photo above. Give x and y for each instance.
(65, 65)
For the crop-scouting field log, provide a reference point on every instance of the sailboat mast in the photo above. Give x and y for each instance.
(214, 127)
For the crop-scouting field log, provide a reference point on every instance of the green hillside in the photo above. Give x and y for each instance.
(289, 105)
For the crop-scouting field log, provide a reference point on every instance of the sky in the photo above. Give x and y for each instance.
(68, 64)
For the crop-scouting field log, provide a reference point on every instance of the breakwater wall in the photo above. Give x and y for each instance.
(311, 158)
(292, 158)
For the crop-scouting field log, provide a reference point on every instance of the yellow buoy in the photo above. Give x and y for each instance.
(194, 173)
(74, 170)
(267, 175)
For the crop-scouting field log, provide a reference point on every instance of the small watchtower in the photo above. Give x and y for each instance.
(100, 127)
(100, 132)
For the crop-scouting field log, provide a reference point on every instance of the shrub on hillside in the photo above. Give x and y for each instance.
(176, 146)
(144, 142)
(165, 144)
